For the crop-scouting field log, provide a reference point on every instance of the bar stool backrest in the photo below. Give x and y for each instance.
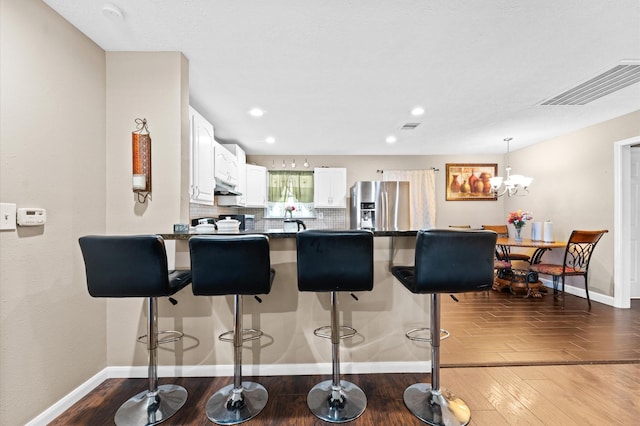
(449, 261)
(335, 260)
(230, 264)
(126, 266)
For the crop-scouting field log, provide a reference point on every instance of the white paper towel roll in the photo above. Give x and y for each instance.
(548, 232)
(536, 231)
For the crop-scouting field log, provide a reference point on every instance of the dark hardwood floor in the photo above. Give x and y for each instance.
(547, 366)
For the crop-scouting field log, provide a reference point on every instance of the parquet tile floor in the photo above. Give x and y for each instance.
(512, 360)
(490, 329)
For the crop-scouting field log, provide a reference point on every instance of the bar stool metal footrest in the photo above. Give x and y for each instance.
(410, 334)
(250, 333)
(344, 330)
(171, 336)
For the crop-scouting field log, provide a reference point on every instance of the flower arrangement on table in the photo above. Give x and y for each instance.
(288, 211)
(519, 218)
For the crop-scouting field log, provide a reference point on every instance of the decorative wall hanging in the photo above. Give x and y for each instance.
(141, 149)
(470, 182)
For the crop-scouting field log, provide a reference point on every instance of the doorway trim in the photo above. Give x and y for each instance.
(622, 222)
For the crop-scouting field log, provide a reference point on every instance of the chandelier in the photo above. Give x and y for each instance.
(513, 183)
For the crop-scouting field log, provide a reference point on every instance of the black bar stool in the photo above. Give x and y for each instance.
(136, 266)
(238, 265)
(332, 261)
(446, 261)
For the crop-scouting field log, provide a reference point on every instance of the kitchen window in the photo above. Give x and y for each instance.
(290, 189)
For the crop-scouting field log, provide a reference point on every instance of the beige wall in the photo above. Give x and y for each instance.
(152, 86)
(365, 167)
(573, 188)
(67, 114)
(52, 148)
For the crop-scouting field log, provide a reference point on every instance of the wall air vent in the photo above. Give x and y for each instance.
(409, 126)
(609, 81)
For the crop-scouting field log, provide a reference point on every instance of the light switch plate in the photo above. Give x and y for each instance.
(7, 216)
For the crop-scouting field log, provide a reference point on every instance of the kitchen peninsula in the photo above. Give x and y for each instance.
(288, 318)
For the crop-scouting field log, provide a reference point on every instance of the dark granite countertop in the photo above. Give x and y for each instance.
(277, 233)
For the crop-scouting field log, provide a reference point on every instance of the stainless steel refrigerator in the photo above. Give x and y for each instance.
(380, 205)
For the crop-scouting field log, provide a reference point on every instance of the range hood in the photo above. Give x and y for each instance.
(223, 188)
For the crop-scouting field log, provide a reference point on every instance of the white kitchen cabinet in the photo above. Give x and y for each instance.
(226, 165)
(240, 172)
(330, 188)
(201, 183)
(256, 186)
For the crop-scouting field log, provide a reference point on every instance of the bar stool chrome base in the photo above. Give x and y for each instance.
(337, 404)
(150, 408)
(229, 406)
(437, 408)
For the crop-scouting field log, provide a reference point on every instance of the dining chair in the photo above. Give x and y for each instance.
(577, 256)
(504, 252)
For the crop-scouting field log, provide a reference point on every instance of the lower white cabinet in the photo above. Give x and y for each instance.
(330, 187)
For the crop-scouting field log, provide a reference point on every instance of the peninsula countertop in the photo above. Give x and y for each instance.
(277, 233)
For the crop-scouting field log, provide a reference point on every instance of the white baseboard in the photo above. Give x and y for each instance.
(76, 395)
(576, 291)
(223, 371)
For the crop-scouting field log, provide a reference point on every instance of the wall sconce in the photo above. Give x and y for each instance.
(293, 164)
(306, 164)
(141, 150)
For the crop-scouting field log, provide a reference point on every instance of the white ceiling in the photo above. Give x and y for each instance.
(338, 77)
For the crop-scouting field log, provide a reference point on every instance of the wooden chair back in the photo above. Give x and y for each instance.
(501, 230)
(579, 250)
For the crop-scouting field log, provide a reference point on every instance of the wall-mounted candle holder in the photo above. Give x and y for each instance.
(141, 162)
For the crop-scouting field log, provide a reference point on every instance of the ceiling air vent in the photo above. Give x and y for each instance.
(409, 126)
(609, 81)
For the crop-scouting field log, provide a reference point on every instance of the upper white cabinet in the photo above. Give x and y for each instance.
(330, 188)
(201, 183)
(256, 188)
(239, 175)
(226, 165)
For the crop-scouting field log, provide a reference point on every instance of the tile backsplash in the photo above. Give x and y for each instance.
(331, 218)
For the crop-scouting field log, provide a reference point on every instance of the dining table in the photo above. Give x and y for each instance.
(521, 279)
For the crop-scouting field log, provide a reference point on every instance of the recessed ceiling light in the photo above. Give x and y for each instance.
(270, 139)
(256, 112)
(417, 111)
(391, 139)
(112, 12)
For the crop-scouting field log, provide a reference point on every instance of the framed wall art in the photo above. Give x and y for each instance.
(470, 182)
